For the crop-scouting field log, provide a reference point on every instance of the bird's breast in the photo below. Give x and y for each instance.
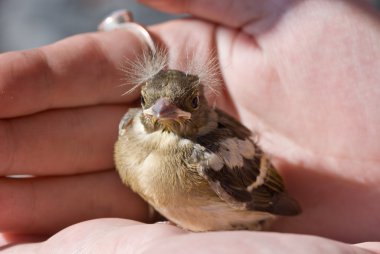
(155, 165)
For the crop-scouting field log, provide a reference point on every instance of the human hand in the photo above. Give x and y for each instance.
(308, 136)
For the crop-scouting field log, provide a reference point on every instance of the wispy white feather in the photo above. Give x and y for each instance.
(143, 68)
(146, 66)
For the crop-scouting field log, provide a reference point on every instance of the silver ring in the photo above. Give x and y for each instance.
(123, 19)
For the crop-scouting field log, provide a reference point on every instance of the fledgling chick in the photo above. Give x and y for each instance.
(195, 164)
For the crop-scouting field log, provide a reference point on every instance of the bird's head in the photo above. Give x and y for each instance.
(174, 101)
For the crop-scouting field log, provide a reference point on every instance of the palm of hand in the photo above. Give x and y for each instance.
(310, 99)
(312, 102)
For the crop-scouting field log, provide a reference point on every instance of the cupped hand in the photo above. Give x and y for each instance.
(303, 74)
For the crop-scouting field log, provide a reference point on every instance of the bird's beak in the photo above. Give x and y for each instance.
(165, 110)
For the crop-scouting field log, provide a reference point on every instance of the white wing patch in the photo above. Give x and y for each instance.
(246, 148)
(234, 150)
(261, 177)
(214, 161)
(206, 159)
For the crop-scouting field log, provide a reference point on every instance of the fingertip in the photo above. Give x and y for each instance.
(172, 6)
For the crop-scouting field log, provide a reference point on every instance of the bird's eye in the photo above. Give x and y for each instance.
(195, 102)
(142, 101)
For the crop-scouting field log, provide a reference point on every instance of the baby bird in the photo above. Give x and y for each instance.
(195, 164)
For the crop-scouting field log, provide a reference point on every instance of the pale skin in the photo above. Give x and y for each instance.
(306, 78)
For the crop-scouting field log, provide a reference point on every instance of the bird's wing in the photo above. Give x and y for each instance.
(239, 172)
(127, 120)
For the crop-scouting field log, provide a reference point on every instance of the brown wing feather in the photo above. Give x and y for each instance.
(232, 184)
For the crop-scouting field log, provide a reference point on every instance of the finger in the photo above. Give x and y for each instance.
(81, 70)
(59, 141)
(8, 240)
(251, 16)
(46, 205)
(85, 69)
(236, 14)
